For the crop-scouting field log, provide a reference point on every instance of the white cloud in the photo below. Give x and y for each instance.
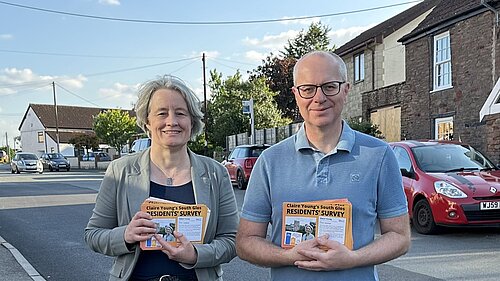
(120, 95)
(110, 2)
(341, 36)
(14, 80)
(199, 93)
(255, 56)
(272, 42)
(6, 36)
(208, 54)
(275, 43)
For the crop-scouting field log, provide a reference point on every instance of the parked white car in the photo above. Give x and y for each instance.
(26, 162)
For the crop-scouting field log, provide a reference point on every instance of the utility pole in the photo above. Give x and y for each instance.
(57, 119)
(205, 104)
(7, 145)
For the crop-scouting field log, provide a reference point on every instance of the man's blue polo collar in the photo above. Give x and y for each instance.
(346, 141)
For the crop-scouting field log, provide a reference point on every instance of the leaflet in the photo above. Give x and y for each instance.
(306, 220)
(170, 216)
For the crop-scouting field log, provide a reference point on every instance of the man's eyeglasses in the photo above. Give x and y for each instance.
(308, 91)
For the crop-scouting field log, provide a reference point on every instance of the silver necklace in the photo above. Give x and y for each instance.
(169, 179)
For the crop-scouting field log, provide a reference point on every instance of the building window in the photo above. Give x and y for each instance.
(444, 128)
(40, 137)
(359, 67)
(442, 61)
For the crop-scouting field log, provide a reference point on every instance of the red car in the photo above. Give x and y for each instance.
(240, 163)
(448, 184)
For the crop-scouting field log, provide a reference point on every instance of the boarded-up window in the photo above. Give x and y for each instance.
(388, 120)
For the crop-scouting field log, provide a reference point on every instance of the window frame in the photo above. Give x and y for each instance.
(403, 157)
(442, 65)
(41, 137)
(443, 120)
(359, 67)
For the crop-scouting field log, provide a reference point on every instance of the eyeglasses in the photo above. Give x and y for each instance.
(308, 91)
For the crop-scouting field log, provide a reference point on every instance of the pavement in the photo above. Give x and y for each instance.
(13, 265)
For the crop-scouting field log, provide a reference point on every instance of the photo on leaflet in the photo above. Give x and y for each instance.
(165, 227)
(298, 229)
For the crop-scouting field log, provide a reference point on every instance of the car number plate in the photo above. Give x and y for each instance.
(490, 205)
(62, 165)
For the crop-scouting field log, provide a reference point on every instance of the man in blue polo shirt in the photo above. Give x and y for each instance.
(325, 159)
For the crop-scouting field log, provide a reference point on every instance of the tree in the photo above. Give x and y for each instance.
(278, 70)
(278, 74)
(225, 107)
(314, 39)
(115, 127)
(85, 141)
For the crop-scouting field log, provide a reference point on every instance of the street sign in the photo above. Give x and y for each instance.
(246, 106)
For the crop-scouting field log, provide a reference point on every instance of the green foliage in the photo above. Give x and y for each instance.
(278, 74)
(9, 153)
(115, 127)
(225, 109)
(315, 38)
(365, 127)
(85, 141)
(278, 70)
(198, 146)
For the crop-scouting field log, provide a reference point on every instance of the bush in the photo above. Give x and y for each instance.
(365, 127)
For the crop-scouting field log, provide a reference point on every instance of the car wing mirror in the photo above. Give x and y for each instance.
(406, 173)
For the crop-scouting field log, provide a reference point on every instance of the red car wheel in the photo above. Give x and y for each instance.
(423, 221)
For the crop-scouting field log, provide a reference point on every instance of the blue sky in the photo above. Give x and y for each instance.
(100, 63)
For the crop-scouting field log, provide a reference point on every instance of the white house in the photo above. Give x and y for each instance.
(39, 132)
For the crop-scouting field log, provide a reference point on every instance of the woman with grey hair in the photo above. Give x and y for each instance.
(168, 112)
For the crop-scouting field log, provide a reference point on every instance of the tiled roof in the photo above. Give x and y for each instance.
(386, 28)
(64, 137)
(447, 11)
(69, 117)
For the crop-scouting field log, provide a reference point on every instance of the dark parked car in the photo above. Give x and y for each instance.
(240, 163)
(103, 156)
(448, 183)
(55, 162)
(26, 162)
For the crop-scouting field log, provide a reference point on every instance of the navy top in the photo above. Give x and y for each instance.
(153, 264)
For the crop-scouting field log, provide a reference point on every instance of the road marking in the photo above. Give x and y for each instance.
(18, 202)
(414, 258)
(23, 262)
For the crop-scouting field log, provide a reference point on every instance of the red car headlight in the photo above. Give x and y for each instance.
(449, 190)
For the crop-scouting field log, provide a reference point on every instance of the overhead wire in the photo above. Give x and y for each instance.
(225, 65)
(20, 93)
(182, 67)
(79, 55)
(76, 95)
(239, 62)
(23, 84)
(138, 67)
(205, 22)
